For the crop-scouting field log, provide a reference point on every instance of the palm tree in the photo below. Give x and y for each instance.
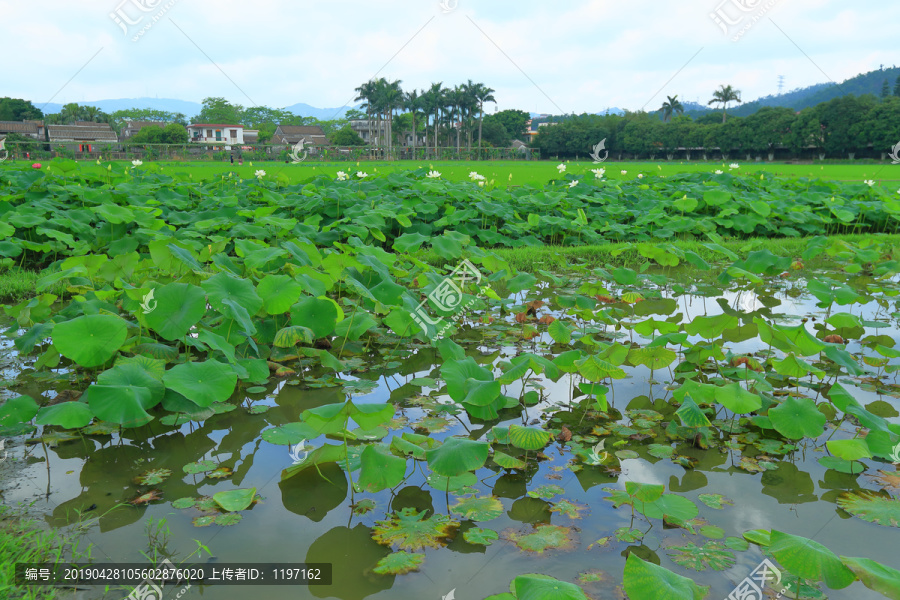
(366, 92)
(482, 94)
(413, 102)
(723, 96)
(435, 100)
(393, 99)
(671, 105)
(69, 113)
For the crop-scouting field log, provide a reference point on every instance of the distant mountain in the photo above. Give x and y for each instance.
(323, 114)
(108, 106)
(189, 109)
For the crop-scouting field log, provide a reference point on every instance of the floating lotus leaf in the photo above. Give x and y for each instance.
(228, 519)
(399, 563)
(479, 536)
(710, 555)
(234, 500)
(528, 438)
(478, 509)
(183, 503)
(875, 507)
(546, 492)
(154, 477)
(544, 537)
(202, 466)
(410, 530)
(569, 509)
(717, 501)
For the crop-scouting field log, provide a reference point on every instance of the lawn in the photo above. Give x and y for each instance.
(517, 172)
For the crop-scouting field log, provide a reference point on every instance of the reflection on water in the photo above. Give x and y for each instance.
(309, 516)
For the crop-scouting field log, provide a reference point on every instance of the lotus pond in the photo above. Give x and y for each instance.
(272, 373)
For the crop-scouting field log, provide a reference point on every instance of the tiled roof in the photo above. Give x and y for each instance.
(18, 127)
(215, 125)
(76, 132)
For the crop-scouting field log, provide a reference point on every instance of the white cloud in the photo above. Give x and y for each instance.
(585, 55)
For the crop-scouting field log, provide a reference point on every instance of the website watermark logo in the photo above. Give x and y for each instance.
(894, 154)
(448, 6)
(298, 148)
(5, 452)
(895, 453)
(152, 590)
(736, 17)
(295, 452)
(450, 596)
(447, 297)
(148, 304)
(751, 588)
(130, 16)
(596, 153)
(3, 150)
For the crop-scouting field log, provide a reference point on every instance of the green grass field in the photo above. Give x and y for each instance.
(517, 172)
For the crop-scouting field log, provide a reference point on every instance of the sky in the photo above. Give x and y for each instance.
(540, 56)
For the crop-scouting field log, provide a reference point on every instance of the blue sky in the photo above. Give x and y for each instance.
(575, 56)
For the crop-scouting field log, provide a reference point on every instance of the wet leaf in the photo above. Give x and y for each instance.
(154, 477)
(796, 418)
(483, 537)
(234, 500)
(569, 509)
(229, 519)
(410, 530)
(399, 563)
(810, 559)
(647, 581)
(544, 537)
(478, 509)
(717, 501)
(875, 576)
(710, 555)
(871, 506)
(183, 503)
(546, 492)
(202, 466)
(537, 587)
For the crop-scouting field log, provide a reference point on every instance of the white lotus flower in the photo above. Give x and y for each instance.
(260, 173)
(561, 168)
(136, 163)
(624, 172)
(573, 184)
(869, 182)
(361, 174)
(480, 184)
(640, 175)
(475, 176)
(734, 166)
(598, 173)
(433, 175)
(341, 176)
(718, 171)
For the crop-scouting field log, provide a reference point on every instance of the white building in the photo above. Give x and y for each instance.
(216, 134)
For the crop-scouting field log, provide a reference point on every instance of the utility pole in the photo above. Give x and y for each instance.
(780, 84)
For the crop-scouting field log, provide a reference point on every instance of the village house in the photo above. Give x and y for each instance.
(216, 134)
(290, 135)
(82, 136)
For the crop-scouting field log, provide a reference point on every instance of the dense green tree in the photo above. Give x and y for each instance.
(220, 111)
(885, 89)
(494, 133)
(514, 121)
(346, 137)
(16, 109)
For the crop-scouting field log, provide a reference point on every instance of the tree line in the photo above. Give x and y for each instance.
(845, 127)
